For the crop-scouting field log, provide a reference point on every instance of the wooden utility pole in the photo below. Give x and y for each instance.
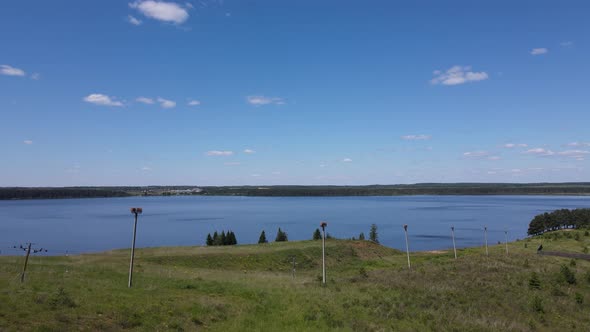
(453, 236)
(323, 225)
(485, 235)
(407, 246)
(293, 267)
(22, 276)
(134, 211)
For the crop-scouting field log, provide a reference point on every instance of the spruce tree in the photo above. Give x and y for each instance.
(281, 236)
(223, 238)
(317, 235)
(232, 239)
(216, 239)
(373, 236)
(362, 236)
(209, 241)
(262, 238)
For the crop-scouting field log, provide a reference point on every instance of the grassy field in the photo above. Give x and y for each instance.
(250, 287)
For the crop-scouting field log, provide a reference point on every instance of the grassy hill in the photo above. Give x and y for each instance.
(250, 287)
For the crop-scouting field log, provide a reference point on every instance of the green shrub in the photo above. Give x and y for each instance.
(534, 282)
(586, 233)
(572, 262)
(537, 305)
(577, 236)
(61, 299)
(568, 275)
(579, 298)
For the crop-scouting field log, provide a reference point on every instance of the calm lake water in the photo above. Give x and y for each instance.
(90, 225)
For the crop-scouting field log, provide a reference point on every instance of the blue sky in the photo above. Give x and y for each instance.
(293, 92)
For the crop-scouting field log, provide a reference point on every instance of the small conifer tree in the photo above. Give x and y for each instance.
(373, 235)
(281, 236)
(223, 238)
(209, 241)
(317, 235)
(534, 282)
(362, 236)
(262, 238)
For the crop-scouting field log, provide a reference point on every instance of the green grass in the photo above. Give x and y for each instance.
(250, 287)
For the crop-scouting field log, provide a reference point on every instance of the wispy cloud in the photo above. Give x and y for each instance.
(165, 103)
(578, 144)
(576, 154)
(567, 43)
(515, 145)
(11, 71)
(457, 75)
(219, 153)
(28, 142)
(133, 20)
(476, 154)
(262, 100)
(102, 100)
(249, 151)
(416, 137)
(35, 76)
(194, 103)
(146, 168)
(346, 160)
(539, 152)
(539, 51)
(232, 163)
(162, 11)
(145, 100)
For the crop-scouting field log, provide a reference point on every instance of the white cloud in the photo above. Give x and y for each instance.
(161, 10)
(578, 144)
(539, 51)
(540, 152)
(35, 76)
(133, 20)
(346, 160)
(219, 153)
(255, 175)
(416, 137)
(457, 75)
(249, 151)
(567, 43)
(146, 168)
(11, 71)
(476, 154)
(262, 100)
(576, 154)
(194, 103)
(28, 142)
(103, 100)
(515, 145)
(165, 103)
(494, 158)
(145, 100)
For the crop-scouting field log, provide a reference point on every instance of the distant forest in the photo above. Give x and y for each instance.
(579, 188)
(559, 219)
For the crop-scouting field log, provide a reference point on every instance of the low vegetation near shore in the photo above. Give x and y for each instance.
(252, 287)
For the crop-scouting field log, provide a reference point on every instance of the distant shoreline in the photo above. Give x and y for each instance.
(440, 189)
